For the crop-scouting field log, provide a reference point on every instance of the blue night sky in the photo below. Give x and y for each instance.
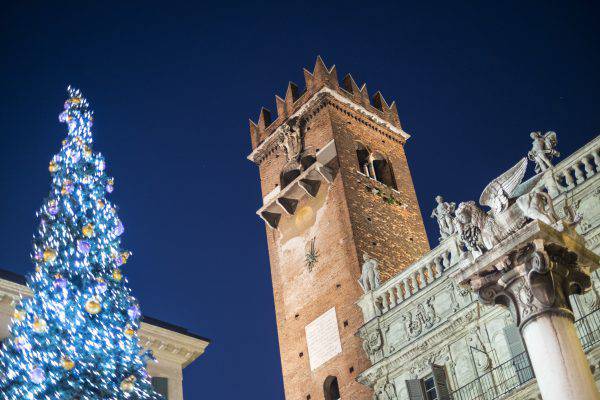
(173, 86)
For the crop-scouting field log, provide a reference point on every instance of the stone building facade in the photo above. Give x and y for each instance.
(174, 347)
(365, 309)
(421, 319)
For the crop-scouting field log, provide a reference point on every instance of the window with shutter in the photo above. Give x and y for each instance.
(161, 385)
(441, 382)
(514, 340)
(518, 353)
(416, 389)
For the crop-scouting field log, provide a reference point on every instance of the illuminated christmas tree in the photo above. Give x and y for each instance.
(76, 338)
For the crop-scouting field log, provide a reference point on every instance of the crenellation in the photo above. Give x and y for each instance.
(321, 77)
(291, 95)
(264, 119)
(281, 107)
(380, 103)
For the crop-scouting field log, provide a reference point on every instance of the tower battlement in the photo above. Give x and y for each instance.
(321, 77)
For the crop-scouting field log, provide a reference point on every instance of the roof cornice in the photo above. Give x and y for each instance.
(267, 145)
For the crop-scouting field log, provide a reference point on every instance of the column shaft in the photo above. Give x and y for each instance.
(560, 365)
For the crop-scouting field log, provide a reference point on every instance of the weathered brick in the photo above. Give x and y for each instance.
(337, 218)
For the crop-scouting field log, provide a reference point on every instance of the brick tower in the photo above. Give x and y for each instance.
(335, 185)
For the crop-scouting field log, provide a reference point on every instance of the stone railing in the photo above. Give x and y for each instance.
(588, 329)
(575, 169)
(416, 277)
(568, 174)
(499, 381)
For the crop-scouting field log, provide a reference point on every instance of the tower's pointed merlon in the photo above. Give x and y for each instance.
(254, 133)
(321, 76)
(380, 103)
(291, 94)
(320, 80)
(350, 86)
(264, 119)
(364, 95)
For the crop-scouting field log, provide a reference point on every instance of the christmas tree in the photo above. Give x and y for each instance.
(76, 338)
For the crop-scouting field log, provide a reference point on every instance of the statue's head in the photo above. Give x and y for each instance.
(366, 257)
(535, 135)
(463, 212)
(439, 199)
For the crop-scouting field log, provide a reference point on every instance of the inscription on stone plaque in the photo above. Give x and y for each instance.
(323, 339)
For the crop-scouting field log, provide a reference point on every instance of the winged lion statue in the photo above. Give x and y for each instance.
(512, 204)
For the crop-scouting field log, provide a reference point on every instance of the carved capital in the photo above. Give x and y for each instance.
(535, 279)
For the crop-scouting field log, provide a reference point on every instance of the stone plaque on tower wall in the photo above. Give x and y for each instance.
(323, 339)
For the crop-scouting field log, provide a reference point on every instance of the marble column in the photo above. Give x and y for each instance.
(533, 273)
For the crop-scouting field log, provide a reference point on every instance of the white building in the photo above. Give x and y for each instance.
(428, 338)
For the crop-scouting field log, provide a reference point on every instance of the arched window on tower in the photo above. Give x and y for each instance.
(364, 162)
(331, 388)
(383, 171)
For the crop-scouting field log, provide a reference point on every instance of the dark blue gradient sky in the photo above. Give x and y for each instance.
(173, 85)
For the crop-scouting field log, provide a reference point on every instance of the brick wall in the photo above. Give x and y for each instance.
(391, 232)
(345, 219)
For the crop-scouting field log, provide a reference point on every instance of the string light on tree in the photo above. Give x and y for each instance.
(75, 338)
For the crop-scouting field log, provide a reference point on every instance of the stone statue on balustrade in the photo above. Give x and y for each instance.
(444, 212)
(369, 279)
(543, 150)
(513, 203)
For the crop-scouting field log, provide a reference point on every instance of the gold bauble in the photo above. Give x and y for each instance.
(87, 152)
(128, 384)
(88, 230)
(40, 326)
(67, 184)
(117, 275)
(50, 255)
(67, 363)
(93, 306)
(100, 204)
(129, 331)
(53, 167)
(19, 315)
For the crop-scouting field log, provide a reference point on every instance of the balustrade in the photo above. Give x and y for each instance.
(589, 168)
(571, 172)
(578, 167)
(415, 278)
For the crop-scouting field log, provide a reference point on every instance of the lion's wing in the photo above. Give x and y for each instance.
(505, 183)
